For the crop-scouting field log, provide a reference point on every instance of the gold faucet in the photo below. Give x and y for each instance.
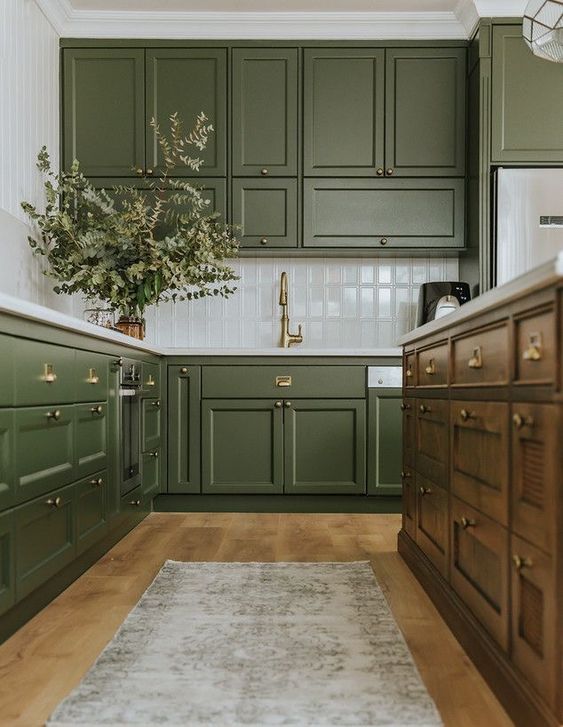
(287, 338)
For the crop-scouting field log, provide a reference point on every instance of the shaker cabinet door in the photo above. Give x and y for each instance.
(385, 439)
(184, 429)
(266, 210)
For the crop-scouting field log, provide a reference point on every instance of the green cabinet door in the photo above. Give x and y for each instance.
(325, 446)
(265, 101)
(527, 102)
(188, 81)
(150, 423)
(7, 561)
(45, 374)
(385, 441)
(91, 510)
(425, 112)
(242, 446)
(150, 474)
(104, 110)
(7, 370)
(45, 538)
(112, 486)
(91, 437)
(344, 115)
(384, 213)
(44, 444)
(266, 210)
(184, 435)
(7, 485)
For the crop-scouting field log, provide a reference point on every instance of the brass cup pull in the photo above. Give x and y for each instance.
(263, 240)
(264, 172)
(54, 502)
(153, 454)
(93, 377)
(49, 375)
(136, 503)
(424, 491)
(467, 523)
(380, 171)
(390, 171)
(156, 404)
(97, 482)
(383, 241)
(466, 415)
(278, 404)
(521, 562)
(55, 415)
(520, 421)
(97, 409)
(423, 409)
(476, 361)
(405, 475)
(184, 370)
(405, 407)
(431, 368)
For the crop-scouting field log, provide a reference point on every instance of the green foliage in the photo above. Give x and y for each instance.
(135, 247)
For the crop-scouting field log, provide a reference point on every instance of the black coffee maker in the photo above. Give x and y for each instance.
(438, 299)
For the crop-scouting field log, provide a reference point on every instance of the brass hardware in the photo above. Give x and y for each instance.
(519, 421)
(97, 482)
(287, 404)
(136, 503)
(55, 415)
(156, 404)
(119, 362)
(54, 502)
(283, 381)
(49, 374)
(278, 404)
(424, 409)
(425, 491)
(408, 373)
(154, 454)
(383, 241)
(405, 475)
(465, 415)
(264, 172)
(263, 240)
(287, 338)
(467, 523)
(521, 562)
(149, 172)
(534, 350)
(139, 171)
(404, 407)
(184, 370)
(476, 361)
(93, 377)
(431, 368)
(390, 171)
(380, 171)
(97, 409)
(150, 381)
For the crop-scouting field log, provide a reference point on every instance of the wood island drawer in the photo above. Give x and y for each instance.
(432, 429)
(481, 358)
(408, 407)
(479, 570)
(45, 374)
(91, 376)
(480, 451)
(536, 342)
(333, 382)
(432, 366)
(408, 477)
(432, 523)
(409, 378)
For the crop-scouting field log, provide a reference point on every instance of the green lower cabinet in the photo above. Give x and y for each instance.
(7, 490)
(7, 561)
(150, 474)
(184, 432)
(91, 372)
(150, 424)
(242, 446)
(91, 510)
(7, 370)
(266, 210)
(45, 538)
(91, 437)
(133, 501)
(44, 446)
(45, 374)
(385, 440)
(325, 449)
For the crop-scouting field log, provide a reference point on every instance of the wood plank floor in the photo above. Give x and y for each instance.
(43, 661)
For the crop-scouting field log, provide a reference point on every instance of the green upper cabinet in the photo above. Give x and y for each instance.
(527, 102)
(265, 103)
(104, 110)
(425, 112)
(344, 96)
(266, 210)
(188, 81)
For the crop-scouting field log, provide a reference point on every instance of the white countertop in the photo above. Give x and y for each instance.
(31, 311)
(539, 277)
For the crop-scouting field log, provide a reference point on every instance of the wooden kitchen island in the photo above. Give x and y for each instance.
(482, 494)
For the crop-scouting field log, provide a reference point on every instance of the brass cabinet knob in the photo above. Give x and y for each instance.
(408, 373)
(521, 562)
(380, 171)
(390, 171)
(136, 503)
(383, 241)
(156, 403)
(154, 454)
(466, 415)
(97, 409)
(54, 502)
(278, 404)
(405, 475)
(150, 172)
(55, 415)
(264, 172)
(287, 404)
(424, 491)
(184, 370)
(97, 482)
(139, 171)
(467, 523)
(263, 240)
(119, 362)
(520, 421)
(405, 407)
(423, 409)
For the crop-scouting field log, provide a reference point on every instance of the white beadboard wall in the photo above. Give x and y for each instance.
(29, 118)
(342, 303)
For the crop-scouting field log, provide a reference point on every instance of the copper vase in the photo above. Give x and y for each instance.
(130, 326)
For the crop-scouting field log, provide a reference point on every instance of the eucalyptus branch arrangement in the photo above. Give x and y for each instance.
(134, 247)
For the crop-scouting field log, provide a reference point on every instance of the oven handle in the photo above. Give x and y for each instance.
(129, 392)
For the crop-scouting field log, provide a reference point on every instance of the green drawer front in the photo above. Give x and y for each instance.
(91, 510)
(92, 376)
(7, 564)
(7, 489)
(91, 437)
(7, 370)
(133, 502)
(150, 484)
(45, 539)
(45, 374)
(151, 378)
(150, 423)
(406, 213)
(224, 382)
(44, 449)
(266, 209)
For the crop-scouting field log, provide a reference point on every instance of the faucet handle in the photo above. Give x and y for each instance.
(299, 330)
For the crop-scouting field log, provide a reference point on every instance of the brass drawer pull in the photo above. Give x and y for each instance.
(93, 377)
(153, 454)
(97, 482)
(49, 375)
(405, 407)
(54, 502)
(150, 381)
(520, 421)
(431, 368)
(467, 523)
(534, 350)
(405, 475)
(136, 503)
(424, 409)
(466, 415)
(278, 404)
(184, 370)
(424, 491)
(55, 415)
(476, 361)
(264, 172)
(283, 381)
(156, 404)
(522, 562)
(97, 409)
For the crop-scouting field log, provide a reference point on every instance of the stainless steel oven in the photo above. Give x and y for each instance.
(130, 419)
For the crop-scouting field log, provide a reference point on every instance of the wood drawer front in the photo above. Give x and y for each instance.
(479, 570)
(535, 472)
(150, 424)
(535, 633)
(409, 378)
(91, 510)
(536, 340)
(432, 366)
(432, 522)
(150, 378)
(480, 456)
(409, 501)
(45, 539)
(281, 381)
(44, 442)
(91, 438)
(92, 376)
(432, 428)
(481, 358)
(408, 408)
(45, 374)
(150, 486)
(7, 561)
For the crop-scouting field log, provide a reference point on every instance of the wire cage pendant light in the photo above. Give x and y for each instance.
(542, 27)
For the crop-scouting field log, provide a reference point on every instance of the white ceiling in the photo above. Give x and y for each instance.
(273, 19)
